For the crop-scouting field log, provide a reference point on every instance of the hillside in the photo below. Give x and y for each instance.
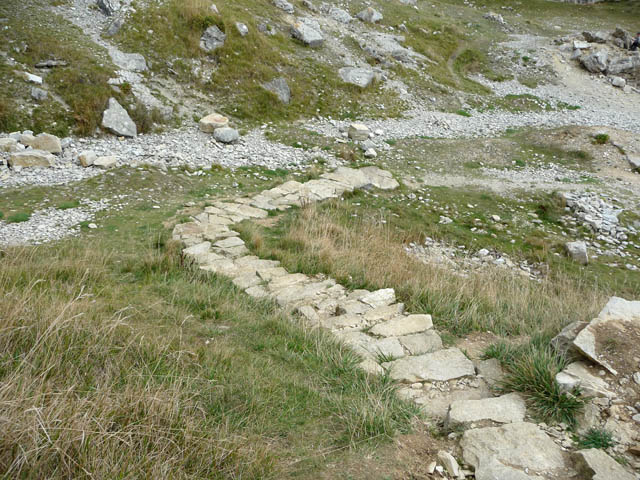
(387, 239)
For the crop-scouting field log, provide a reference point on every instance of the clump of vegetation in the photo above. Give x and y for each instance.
(18, 217)
(601, 139)
(596, 438)
(463, 113)
(66, 205)
(531, 370)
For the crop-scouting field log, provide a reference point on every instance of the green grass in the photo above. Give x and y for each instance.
(531, 370)
(18, 217)
(601, 139)
(596, 438)
(68, 204)
(463, 113)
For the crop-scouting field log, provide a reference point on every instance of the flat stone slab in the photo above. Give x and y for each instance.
(519, 445)
(420, 343)
(380, 314)
(379, 298)
(505, 409)
(403, 326)
(490, 370)
(437, 366)
(492, 469)
(349, 177)
(578, 374)
(595, 464)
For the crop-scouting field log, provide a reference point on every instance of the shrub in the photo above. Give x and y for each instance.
(596, 438)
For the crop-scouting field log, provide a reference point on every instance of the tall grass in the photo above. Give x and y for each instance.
(367, 254)
(124, 362)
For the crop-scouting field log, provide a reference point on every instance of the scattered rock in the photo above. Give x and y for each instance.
(39, 94)
(595, 464)
(358, 131)
(595, 62)
(379, 298)
(450, 464)
(117, 120)
(212, 39)
(46, 142)
(105, 162)
(634, 161)
(31, 158)
(212, 121)
(361, 77)
(490, 370)
(29, 77)
(9, 145)
(595, 37)
(370, 15)
(578, 251)
(340, 15)
(243, 30)
(87, 158)
(403, 326)
(618, 82)
(133, 62)
(280, 88)
(109, 7)
(576, 375)
(226, 135)
(562, 343)
(308, 32)
(284, 5)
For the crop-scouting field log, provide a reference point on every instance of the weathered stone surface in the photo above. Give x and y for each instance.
(595, 464)
(280, 88)
(420, 343)
(505, 409)
(340, 15)
(379, 314)
(437, 366)
(380, 178)
(242, 29)
(9, 145)
(133, 62)
(578, 251)
(578, 374)
(31, 158)
(379, 298)
(308, 32)
(371, 366)
(634, 161)
(617, 309)
(403, 326)
(212, 121)
(595, 62)
(520, 445)
(361, 77)
(595, 37)
(46, 142)
(87, 158)
(117, 120)
(492, 469)
(369, 15)
(108, 7)
(283, 5)
(449, 463)
(39, 94)
(358, 131)
(562, 343)
(387, 347)
(212, 39)
(106, 162)
(490, 370)
(226, 135)
(618, 82)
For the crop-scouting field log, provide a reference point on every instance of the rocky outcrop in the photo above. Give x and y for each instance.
(280, 88)
(212, 39)
(116, 120)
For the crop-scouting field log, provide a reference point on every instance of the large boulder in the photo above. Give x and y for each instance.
(116, 120)
(577, 375)
(106, 162)
(358, 131)
(46, 142)
(622, 34)
(226, 135)
(280, 88)
(578, 252)
(595, 62)
(340, 15)
(308, 32)
(369, 15)
(31, 158)
(9, 145)
(108, 7)
(212, 39)
(361, 77)
(212, 121)
(623, 65)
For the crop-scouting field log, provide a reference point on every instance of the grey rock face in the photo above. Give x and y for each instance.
(622, 34)
(134, 62)
(562, 342)
(115, 26)
(116, 120)
(308, 32)
(340, 15)
(505, 409)
(420, 343)
(623, 65)
(212, 39)
(578, 251)
(109, 7)
(437, 366)
(519, 445)
(283, 5)
(226, 135)
(597, 465)
(361, 77)
(595, 37)
(369, 15)
(618, 82)
(39, 94)
(280, 88)
(595, 62)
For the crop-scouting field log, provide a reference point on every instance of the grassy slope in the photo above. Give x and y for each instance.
(117, 343)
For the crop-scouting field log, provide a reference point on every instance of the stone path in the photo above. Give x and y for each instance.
(498, 443)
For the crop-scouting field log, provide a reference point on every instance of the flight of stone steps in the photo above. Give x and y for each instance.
(448, 386)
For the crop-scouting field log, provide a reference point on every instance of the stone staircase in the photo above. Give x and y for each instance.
(443, 381)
